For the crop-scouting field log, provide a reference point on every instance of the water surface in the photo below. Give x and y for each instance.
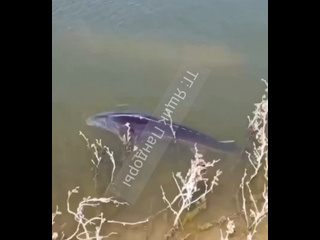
(126, 52)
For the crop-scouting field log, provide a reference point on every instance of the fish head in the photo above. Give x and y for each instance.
(105, 121)
(117, 123)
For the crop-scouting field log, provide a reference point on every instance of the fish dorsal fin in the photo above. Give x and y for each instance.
(228, 141)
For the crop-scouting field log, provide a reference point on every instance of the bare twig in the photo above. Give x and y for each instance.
(189, 185)
(82, 232)
(57, 212)
(229, 231)
(97, 160)
(258, 161)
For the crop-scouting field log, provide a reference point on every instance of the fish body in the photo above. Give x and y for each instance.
(135, 123)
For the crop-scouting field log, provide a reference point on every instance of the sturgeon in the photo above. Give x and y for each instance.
(134, 123)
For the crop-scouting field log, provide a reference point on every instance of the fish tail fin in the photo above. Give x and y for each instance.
(229, 146)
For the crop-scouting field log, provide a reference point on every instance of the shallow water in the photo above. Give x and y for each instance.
(107, 53)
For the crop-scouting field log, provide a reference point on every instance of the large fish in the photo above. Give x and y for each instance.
(134, 124)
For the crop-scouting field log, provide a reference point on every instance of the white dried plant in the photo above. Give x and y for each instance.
(82, 232)
(188, 185)
(97, 160)
(258, 159)
(230, 229)
(57, 212)
(87, 228)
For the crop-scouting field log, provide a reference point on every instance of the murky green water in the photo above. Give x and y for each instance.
(124, 52)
